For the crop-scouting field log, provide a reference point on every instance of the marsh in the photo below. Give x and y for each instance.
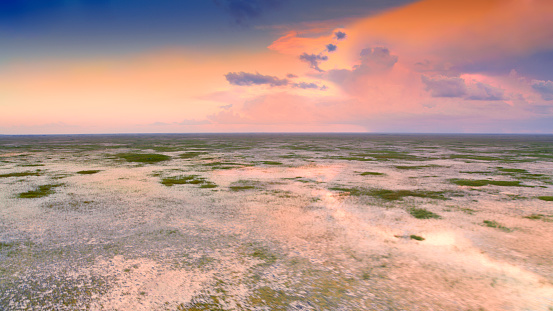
(276, 222)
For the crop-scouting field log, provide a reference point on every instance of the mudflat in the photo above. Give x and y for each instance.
(276, 222)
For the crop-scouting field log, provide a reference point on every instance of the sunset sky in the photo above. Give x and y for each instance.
(175, 66)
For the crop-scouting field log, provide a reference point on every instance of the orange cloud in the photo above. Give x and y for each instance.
(294, 44)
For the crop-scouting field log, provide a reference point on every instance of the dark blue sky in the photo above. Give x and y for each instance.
(50, 27)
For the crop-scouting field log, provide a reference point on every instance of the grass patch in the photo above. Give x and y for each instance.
(6, 245)
(143, 157)
(494, 224)
(506, 183)
(40, 192)
(351, 158)
(474, 157)
(414, 167)
(540, 217)
(210, 303)
(371, 174)
(22, 174)
(208, 185)
(470, 182)
(391, 195)
(466, 210)
(485, 182)
(225, 165)
(421, 213)
(188, 180)
(416, 237)
(546, 198)
(242, 185)
(264, 254)
(269, 298)
(88, 172)
(180, 180)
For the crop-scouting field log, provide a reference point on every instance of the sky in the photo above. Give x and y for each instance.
(202, 66)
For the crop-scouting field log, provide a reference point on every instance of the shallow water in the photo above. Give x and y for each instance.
(277, 222)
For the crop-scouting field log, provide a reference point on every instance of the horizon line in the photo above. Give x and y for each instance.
(250, 133)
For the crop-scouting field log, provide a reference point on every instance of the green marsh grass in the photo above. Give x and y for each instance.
(416, 237)
(372, 174)
(543, 217)
(143, 157)
(22, 174)
(241, 188)
(88, 172)
(421, 213)
(546, 198)
(264, 254)
(218, 165)
(391, 195)
(187, 180)
(495, 224)
(485, 182)
(474, 157)
(414, 167)
(39, 192)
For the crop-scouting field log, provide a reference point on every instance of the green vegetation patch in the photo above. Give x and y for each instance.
(414, 167)
(88, 172)
(143, 157)
(22, 174)
(6, 245)
(421, 213)
(264, 254)
(211, 304)
(494, 224)
(474, 157)
(242, 185)
(476, 172)
(467, 210)
(506, 183)
(540, 217)
(485, 182)
(208, 185)
(225, 165)
(372, 174)
(351, 158)
(41, 191)
(392, 195)
(188, 180)
(546, 198)
(416, 237)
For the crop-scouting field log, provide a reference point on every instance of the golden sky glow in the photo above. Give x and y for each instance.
(453, 63)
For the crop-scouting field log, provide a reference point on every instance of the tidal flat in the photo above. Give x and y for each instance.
(276, 222)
